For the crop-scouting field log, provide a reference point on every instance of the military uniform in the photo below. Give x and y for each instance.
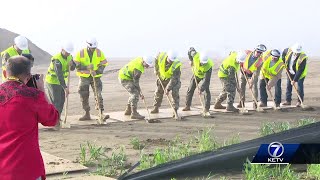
(252, 67)
(271, 73)
(83, 59)
(169, 74)
(129, 77)
(9, 52)
(227, 74)
(56, 79)
(201, 72)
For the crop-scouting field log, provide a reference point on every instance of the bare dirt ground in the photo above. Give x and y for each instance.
(66, 143)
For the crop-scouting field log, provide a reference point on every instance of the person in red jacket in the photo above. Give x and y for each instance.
(22, 108)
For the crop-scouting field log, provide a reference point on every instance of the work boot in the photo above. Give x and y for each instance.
(218, 105)
(262, 104)
(127, 112)
(277, 105)
(230, 107)
(105, 117)
(86, 116)
(298, 104)
(155, 110)
(187, 108)
(239, 105)
(135, 114)
(57, 126)
(286, 103)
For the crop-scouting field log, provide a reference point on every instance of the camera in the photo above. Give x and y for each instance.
(33, 81)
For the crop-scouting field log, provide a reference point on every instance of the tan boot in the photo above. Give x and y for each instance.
(155, 110)
(85, 117)
(127, 112)
(218, 105)
(232, 108)
(135, 114)
(187, 108)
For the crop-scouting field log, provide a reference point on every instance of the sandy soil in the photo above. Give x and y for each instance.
(65, 143)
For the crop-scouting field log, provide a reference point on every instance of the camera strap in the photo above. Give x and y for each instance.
(12, 78)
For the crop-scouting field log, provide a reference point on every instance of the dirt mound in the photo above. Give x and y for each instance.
(6, 39)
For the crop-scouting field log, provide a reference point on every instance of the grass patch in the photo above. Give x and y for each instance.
(136, 144)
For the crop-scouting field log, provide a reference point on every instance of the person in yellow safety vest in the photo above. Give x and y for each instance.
(202, 69)
(227, 74)
(296, 66)
(129, 77)
(168, 70)
(57, 77)
(20, 47)
(90, 64)
(271, 72)
(251, 67)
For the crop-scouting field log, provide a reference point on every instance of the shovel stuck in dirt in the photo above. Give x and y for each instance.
(243, 110)
(259, 109)
(149, 120)
(304, 107)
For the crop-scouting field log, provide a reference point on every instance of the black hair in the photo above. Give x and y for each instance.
(18, 65)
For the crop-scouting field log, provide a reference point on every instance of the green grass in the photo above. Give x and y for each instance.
(313, 171)
(136, 144)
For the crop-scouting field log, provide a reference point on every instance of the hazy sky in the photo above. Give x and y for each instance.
(136, 27)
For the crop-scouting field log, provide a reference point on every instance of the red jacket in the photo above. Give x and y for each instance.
(21, 109)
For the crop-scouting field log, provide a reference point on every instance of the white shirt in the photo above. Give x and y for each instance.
(293, 57)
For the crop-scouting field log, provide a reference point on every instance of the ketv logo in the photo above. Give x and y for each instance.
(275, 150)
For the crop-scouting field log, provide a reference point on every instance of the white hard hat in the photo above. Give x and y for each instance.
(68, 47)
(92, 43)
(241, 56)
(275, 53)
(172, 55)
(148, 60)
(261, 48)
(203, 57)
(296, 48)
(21, 42)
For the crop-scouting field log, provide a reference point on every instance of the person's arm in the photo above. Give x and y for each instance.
(300, 70)
(136, 79)
(156, 66)
(72, 65)
(206, 82)
(58, 69)
(47, 114)
(174, 79)
(272, 82)
(284, 53)
(191, 53)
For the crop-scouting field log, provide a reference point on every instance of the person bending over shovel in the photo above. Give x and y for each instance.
(201, 66)
(270, 73)
(227, 74)
(129, 77)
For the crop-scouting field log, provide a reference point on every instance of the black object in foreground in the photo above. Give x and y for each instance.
(226, 159)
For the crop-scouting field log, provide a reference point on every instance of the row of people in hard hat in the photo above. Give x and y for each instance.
(90, 62)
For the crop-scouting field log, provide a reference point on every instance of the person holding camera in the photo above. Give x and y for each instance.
(90, 63)
(57, 77)
(20, 47)
(22, 108)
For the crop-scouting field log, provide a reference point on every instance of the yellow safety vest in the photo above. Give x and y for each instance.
(301, 58)
(126, 72)
(12, 52)
(51, 76)
(162, 58)
(255, 65)
(227, 63)
(270, 72)
(83, 58)
(200, 70)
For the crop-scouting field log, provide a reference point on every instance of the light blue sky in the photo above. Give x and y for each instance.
(136, 27)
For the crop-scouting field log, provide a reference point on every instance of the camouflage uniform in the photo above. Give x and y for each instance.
(229, 88)
(173, 84)
(83, 90)
(133, 88)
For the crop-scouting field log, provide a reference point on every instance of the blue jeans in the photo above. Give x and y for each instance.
(289, 89)
(264, 94)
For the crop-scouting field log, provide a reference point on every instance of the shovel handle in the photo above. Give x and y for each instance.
(253, 97)
(274, 103)
(96, 94)
(67, 97)
(288, 74)
(145, 104)
(197, 84)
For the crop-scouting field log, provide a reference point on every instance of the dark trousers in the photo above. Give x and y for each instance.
(190, 92)
(289, 89)
(264, 94)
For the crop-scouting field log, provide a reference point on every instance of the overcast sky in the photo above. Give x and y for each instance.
(135, 27)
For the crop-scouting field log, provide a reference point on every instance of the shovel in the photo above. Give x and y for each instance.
(149, 120)
(65, 124)
(270, 93)
(304, 107)
(259, 109)
(178, 118)
(243, 110)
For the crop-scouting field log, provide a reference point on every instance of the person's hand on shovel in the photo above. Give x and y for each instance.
(167, 92)
(268, 87)
(142, 96)
(250, 83)
(293, 83)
